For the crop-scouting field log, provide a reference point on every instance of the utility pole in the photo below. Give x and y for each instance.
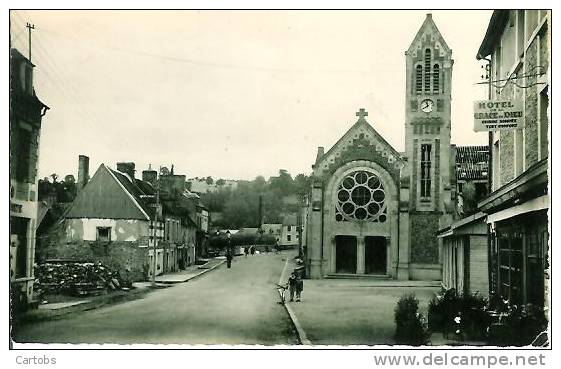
(156, 228)
(29, 28)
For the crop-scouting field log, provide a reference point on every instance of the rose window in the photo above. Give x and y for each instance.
(361, 196)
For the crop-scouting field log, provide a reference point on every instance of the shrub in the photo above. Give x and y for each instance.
(436, 314)
(520, 325)
(410, 324)
(449, 304)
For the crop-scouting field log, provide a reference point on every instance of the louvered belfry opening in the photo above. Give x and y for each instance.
(427, 69)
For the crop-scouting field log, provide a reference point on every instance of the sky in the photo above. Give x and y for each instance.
(230, 94)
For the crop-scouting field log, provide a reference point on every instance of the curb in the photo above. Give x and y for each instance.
(302, 337)
(37, 315)
(202, 271)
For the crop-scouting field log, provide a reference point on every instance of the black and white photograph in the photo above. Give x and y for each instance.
(295, 179)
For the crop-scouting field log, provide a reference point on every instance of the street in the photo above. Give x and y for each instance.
(226, 306)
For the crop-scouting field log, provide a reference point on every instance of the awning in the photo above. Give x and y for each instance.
(539, 203)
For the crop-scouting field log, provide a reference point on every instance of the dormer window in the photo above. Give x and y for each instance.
(26, 78)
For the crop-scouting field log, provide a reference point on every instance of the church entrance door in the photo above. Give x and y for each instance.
(345, 257)
(375, 255)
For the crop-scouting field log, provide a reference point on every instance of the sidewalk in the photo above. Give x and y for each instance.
(191, 272)
(57, 310)
(353, 311)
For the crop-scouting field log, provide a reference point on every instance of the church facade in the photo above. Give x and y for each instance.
(376, 211)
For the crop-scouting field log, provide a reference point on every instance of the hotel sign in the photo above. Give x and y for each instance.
(496, 115)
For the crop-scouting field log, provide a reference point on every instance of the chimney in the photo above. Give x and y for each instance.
(83, 171)
(320, 154)
(126, 167)
(150, 176)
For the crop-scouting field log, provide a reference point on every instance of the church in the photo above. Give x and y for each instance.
(374, 210)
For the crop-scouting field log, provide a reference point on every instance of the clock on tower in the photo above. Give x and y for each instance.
(427, 124)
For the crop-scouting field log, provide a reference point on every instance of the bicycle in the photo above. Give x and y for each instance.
(281, 289)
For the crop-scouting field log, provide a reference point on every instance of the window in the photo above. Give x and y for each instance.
(508, 45)
(495, 170)
(536, 243)
(289, 228)
(103, 234)
(26, 78)
(520, 33)
(425, 170)
(436, 79)
(427, 70)
(498, 61)
(23, 154)
(288, 237)
(510, 265)
(531, 22)
(419, 79)
(544, 124)
(361, 196)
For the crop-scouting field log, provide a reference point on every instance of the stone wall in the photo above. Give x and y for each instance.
(531, 124)
(126, 257)
(424, 244)
(507, 156)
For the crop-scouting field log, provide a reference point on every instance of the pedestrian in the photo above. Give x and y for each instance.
(292, 283)
(299, 287)
(252, 250)
(246, 251)
(229, 258)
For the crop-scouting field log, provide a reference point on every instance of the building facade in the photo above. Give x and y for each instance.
(368, 200)
(289, 232)
(518, 46)
(112, 220)
(464, 251)
(26, 113)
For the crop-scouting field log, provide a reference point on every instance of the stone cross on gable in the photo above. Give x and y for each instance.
(361, 113)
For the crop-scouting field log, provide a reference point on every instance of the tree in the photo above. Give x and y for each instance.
(209, 180)
(220, 182)
(302, 184)
(283, 184)
(469, 195)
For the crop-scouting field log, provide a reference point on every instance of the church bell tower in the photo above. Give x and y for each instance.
(427, 139)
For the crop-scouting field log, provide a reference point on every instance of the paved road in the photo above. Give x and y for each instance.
(225, 306)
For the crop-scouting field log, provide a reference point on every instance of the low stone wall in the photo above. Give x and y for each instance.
(127, 257)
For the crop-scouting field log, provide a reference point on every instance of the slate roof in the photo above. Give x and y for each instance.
(472, 162)
(289, 220)
(143, 192)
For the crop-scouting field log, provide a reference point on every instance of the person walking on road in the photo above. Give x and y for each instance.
(299, 287)
(292, 285)
(246, 251)
(229, 258)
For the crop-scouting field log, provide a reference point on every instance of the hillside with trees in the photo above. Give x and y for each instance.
(239, 207)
